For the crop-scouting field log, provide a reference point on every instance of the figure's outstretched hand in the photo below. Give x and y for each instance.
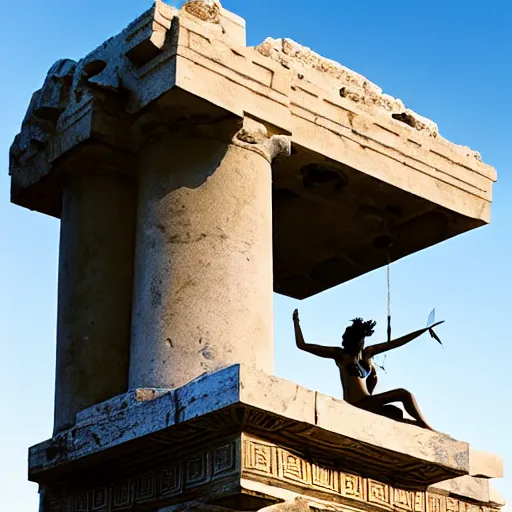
(296, 316)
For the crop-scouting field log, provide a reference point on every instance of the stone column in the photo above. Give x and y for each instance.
(95, 292)
(203, 267)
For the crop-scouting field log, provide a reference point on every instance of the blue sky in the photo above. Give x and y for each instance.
(447, 59)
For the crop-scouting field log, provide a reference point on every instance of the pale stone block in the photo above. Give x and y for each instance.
(486, 465)
(466, 487)
(335, 415)
(495, 497)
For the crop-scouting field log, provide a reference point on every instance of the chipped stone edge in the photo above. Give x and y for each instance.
(352, 85)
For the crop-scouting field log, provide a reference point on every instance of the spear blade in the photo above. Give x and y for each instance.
(435, 336)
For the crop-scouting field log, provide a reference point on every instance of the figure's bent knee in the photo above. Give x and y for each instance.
(405, 393)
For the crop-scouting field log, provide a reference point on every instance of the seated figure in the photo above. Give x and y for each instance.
(358, 375)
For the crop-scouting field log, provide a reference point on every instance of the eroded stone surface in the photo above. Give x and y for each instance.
(205, 10)
(123, 401)
(496, 499)
(97, 241)
(295, 476)
(351, 85)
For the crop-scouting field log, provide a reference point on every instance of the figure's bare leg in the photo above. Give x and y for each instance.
(375, 402)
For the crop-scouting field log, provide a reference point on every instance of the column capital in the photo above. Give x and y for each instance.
(255, 136)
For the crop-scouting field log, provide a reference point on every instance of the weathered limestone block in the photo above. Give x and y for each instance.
(85, 155)
(495, 498)
(205, 10)
(297, 505)
(466, 486)
(485, 465)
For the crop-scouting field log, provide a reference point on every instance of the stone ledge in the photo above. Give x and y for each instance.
(485, 465)
(495, 497)
(117, 404)
(466, 487)
(328, 430)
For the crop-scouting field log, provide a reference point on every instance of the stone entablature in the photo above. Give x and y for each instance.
(369, 159)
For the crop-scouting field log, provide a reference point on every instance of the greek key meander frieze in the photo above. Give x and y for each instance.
(264, 460)
(152, 487)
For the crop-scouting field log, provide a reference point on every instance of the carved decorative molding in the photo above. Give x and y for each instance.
(221, 471)
(155, 487)
(266, 462)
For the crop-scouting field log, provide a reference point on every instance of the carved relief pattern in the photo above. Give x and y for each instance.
(264, 460)
(379, 493)
(409, 500)
(170, 482)
(325, 478)
(436, 503)
(67, 505)
(261, 460)
(154, 486)
(224, 461)
(82, 503)
(441, 503)
(100, 500)
(353, 486)
(258, 457)
(293, 468)
(146, 487)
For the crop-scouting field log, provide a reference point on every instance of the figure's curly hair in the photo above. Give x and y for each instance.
(362, 328)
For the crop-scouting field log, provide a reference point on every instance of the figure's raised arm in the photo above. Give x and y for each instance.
(317, 350)
(374, 350)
